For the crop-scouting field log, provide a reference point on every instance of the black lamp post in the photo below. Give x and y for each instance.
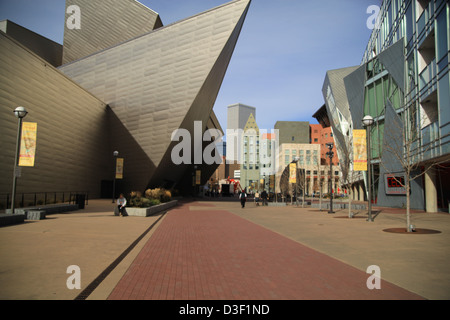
(368, 122)
(115, 154)
(331, 155)
(20, 113)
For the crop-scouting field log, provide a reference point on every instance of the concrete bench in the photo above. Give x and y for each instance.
(40, 212)
(11, 219)
(36, 215)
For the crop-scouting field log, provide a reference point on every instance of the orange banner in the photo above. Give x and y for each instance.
(359, 150)
(28, 144)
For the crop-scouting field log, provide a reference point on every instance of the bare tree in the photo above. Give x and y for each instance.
(404, 143)
(347, 172)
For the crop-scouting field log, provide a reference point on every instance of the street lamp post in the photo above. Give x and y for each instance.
(368, 122)
(115, 154)
(331, 154)
(20, 113)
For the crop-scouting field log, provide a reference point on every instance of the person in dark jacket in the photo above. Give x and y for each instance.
(243, 198)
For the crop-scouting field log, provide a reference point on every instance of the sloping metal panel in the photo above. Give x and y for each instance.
(106, 23)
(390, 163)
(164, 80)
(336, 81)
(72, 145)
(354, 86)
(47, 49)
(393, 58)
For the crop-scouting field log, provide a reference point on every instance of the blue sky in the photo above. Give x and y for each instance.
(280, 61)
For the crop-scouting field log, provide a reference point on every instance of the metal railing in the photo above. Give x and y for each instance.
(32, 199)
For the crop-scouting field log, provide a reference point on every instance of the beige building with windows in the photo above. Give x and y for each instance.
(308, 159)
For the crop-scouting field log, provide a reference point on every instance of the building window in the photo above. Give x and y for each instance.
(316, 140)
(287, 159)
(293, 138)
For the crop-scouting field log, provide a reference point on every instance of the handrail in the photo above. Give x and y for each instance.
(27, 199)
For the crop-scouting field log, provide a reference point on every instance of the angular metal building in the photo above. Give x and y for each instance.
(403, 83)
(126, 91)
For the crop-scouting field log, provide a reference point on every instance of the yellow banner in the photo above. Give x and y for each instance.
(293, 173)
(198, 177)
(119, 168)
(28, 144)
(359, 150)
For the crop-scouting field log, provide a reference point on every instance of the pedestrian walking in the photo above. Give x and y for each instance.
(264, 197)
(121, 204)
(257, 198)
(243, 198)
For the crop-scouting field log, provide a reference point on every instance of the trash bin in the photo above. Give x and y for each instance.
(80, 200)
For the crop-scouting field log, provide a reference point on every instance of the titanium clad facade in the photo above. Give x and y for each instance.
(47, 49)
(72, 147)
(105, 23)
(128, 95)
(164, 80)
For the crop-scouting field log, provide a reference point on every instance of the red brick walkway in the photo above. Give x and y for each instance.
(215, 255)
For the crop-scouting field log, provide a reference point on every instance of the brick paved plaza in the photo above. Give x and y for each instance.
(218, 251)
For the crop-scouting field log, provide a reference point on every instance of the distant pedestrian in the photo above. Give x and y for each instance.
(264, 197)
(243, 198)
(121, 204)
(257, 198)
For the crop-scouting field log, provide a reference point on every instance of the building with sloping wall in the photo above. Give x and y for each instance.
(403, 83)
(127, 91)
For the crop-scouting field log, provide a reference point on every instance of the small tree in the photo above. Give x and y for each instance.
(404, 142)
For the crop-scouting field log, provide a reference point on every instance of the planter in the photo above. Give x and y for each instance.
(147, 212)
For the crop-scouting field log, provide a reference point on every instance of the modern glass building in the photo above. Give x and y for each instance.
(403, 83)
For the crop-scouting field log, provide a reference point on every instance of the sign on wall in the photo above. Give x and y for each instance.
(395, 184)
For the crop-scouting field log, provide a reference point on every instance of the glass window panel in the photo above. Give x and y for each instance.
(441, 35)
(379, 98)
(444, 101)
(409, 22)
(371, 94)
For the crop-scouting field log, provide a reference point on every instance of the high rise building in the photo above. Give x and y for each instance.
(238, 115)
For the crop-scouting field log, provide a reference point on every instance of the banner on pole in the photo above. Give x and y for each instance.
(27, 153)
(293, 173)
(198, 177)
(359, 150)
(119, 168)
